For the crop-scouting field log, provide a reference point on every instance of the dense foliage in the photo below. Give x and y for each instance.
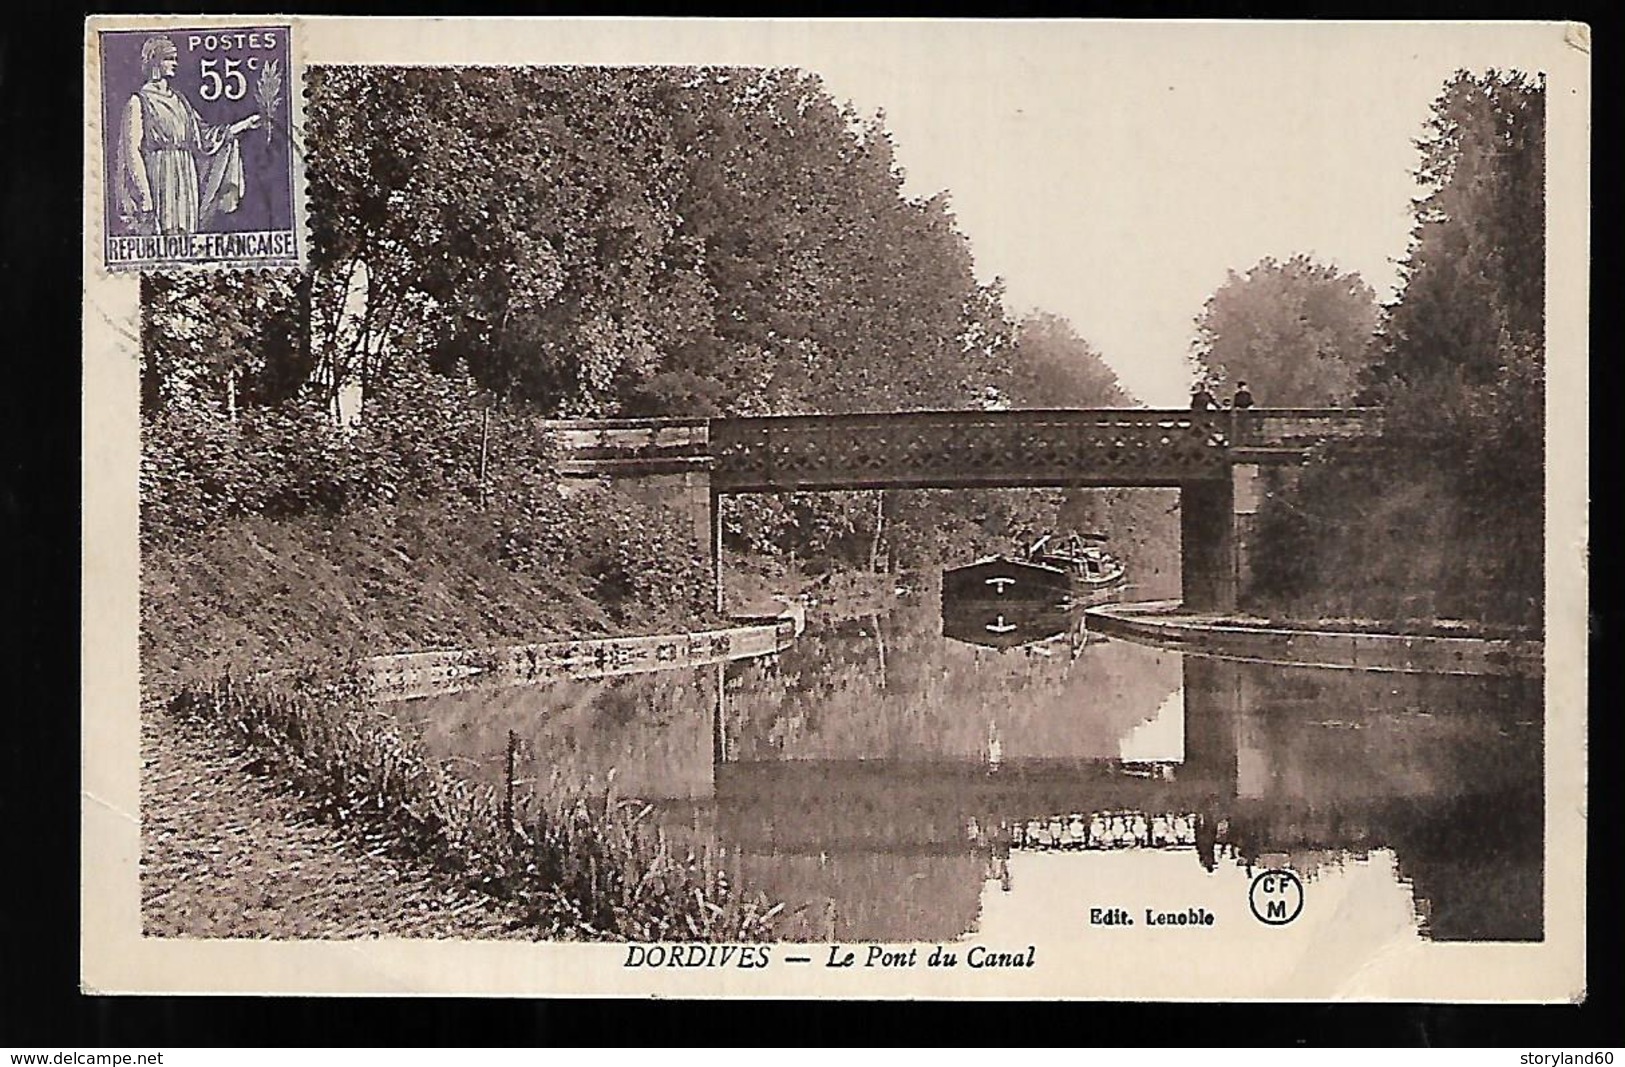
(492, 246)
(1450, 515)
(645, 240)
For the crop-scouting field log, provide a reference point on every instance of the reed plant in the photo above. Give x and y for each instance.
(575, 866)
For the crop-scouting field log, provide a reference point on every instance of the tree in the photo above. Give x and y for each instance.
(1447, 518)
(1474, 277)
(1050, 366)
(646, 238)
(1463, 352)
(540, 244)
(1298, 332)
(216, 342)
(1464, 356)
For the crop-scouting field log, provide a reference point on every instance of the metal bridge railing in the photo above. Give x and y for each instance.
(1108, 446)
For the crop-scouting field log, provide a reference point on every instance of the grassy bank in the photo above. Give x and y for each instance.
(227, 851)
(258, 593)
(338, 786)
(562, 866)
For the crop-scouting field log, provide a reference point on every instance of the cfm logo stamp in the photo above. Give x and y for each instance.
(1276, 897)
(197, 148)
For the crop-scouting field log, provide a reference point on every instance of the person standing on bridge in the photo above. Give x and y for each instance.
(1243, 398)
(1201, 399)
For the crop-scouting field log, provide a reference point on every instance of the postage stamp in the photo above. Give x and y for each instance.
(914, 509)
(198, 153)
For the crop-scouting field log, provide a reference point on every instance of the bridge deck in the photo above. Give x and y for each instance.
(955, 449)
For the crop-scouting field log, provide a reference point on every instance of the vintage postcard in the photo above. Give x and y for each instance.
(853, 509)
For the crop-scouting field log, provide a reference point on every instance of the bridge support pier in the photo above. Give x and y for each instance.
(1214, 699)
(1207, 545)
(1217, 521)
(690, 494)
(714, 543)
(663, 462)
(1249, 483)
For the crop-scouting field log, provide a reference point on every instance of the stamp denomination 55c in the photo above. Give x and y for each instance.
(199, 162)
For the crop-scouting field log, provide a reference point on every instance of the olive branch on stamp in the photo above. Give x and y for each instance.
(268, 92)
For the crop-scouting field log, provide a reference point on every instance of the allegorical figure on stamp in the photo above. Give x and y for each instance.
(176, 173)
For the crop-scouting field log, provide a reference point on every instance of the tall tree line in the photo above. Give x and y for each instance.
(648, 240)
(1450, 516)
(585, 239)
(579, 241)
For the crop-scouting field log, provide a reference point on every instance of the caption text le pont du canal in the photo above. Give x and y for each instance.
(749, 957)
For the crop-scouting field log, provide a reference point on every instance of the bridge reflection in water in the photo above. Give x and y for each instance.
(850, 777)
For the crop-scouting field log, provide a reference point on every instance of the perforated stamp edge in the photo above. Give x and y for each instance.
(280, 248)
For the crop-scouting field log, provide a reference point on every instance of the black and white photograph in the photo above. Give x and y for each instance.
(853, 508)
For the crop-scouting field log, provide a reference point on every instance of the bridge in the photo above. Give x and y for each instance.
(1211, 457)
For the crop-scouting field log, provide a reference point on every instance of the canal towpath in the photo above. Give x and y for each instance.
(1339, 645)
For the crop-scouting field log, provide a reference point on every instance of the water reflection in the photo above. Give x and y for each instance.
(890, 687)
(889, 784)
(1011, 624)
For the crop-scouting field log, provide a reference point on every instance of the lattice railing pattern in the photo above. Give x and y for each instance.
(942, 448)
(1105, 830)
(1105, 447)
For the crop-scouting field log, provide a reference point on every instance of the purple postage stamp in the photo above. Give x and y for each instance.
(198, 153)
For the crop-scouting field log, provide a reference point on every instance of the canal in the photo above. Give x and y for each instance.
(889, 783)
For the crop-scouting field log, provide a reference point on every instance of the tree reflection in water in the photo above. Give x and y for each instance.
(855, 783)
(893, 688)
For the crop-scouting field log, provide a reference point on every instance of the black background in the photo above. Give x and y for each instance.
(40, 1006)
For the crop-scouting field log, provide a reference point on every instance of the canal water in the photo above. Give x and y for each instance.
(889, 783)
